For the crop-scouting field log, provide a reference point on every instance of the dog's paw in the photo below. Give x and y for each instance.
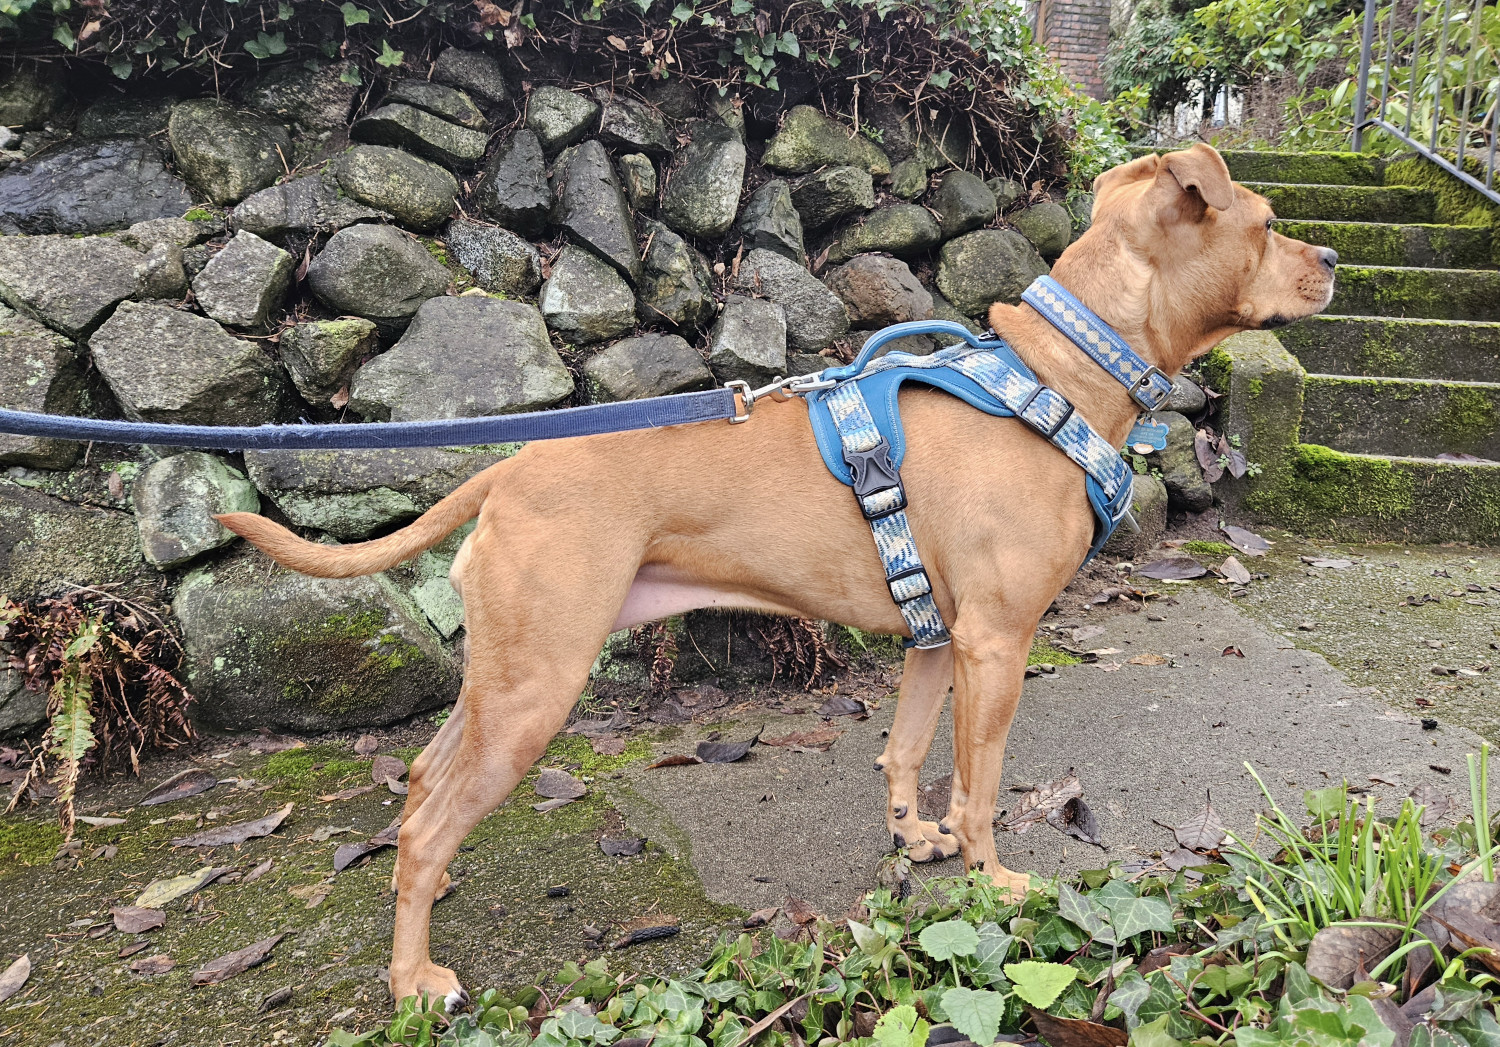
(934, 846)
(434, 983)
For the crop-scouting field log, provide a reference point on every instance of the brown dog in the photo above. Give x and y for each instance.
(579, 538)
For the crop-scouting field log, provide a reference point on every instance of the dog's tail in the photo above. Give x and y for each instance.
(349, 561)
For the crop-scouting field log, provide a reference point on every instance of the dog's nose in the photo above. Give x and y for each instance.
(1329, 257)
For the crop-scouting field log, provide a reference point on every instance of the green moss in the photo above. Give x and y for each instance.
(1043, 653)
(1468, 417)
(572, 749)
(299, 766)
(1208, 548)
(199, 214)
(385, 654)
(1256, 386)
(24, 842)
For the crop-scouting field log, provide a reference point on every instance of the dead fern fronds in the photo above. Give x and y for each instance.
(658, 641)
(798, 649)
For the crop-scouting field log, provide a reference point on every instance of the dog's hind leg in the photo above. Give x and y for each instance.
(924, 684)
(437, 753)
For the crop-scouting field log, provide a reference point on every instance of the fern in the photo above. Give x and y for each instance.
(71, 734)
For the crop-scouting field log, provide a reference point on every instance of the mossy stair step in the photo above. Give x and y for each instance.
(1254, 165)
(1455, 350)
(1391, 243)
(1355, 496)
(1411, 417)
(1437, 294)
(1349, 203)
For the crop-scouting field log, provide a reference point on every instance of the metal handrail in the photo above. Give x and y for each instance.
(1408, 54)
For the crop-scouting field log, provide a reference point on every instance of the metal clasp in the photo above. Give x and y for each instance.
(782, 389)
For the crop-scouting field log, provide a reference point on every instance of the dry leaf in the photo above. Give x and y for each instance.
(814, 741)
(384, 767)
(1146, 659)
(1202, 832)
(761, 917)
(313, 894)
(366, 745)
(181, 785)
(1076, 819)
(676, 760)
(131, 949)
(1247, 542)
(1036, 805)
(1173, 568)
(167, 889)
(798, 911)
(234, 834)
(136, 919)
(1076, 1032)
(237, 962)
(1234, 571)
(1232, 652)
(100, 823)
(724, 752)
(347, 794)
(259, 871)
(611, 745)
(14, 977)
(626, 848)
(617, 43)
(161, 963)
(551, 805)
(553, 784)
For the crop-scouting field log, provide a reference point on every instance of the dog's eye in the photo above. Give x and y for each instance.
(1269, 221)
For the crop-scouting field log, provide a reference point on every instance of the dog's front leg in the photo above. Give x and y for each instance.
(924, 684)
(989, 667)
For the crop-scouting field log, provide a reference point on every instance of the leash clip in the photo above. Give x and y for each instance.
(781, 389)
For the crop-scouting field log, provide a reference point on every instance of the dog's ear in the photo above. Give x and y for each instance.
(1201, 171)
(1142, 167)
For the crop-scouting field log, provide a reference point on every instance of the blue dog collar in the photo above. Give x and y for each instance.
(1148, 386)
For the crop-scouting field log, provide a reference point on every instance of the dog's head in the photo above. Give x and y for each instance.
(1180, 257)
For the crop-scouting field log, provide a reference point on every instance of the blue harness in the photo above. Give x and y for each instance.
(857, 423)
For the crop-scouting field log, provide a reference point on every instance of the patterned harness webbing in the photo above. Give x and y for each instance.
(989, 376)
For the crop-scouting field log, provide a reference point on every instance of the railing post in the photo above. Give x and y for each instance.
(1362, 86)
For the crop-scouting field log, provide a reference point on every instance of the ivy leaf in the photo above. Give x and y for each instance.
(1130, 915)
(1084, 914)
(943, 941)
(121, 66)
(901, 1027)
(1038, 983)
(866, 937)
(354, 15)
(1154, 1034)
(977, 1012)
(740, 7)
(682, 12)
(351, 76)
(284, 12)
(990, 956)
(64, 35)
(266, 44)
(389, 56)
(1130, 992)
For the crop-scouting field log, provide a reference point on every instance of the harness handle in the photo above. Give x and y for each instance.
(880, 339)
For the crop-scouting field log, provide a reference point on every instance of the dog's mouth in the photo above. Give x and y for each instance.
(1274, 321)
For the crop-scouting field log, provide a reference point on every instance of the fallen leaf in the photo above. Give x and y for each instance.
(840, 705)
(346, 794)
(1109, 667)
(553, 784)
(1234, 571)
(101, 823)
(1247, 542)
(798, 911)
(234, 834)
(1330, 565)
(1042, 801)
(398, 788)
(1076, 1032)
(551, 805)
(611, 745)
(323, 833)
(132, 949)
(136, 919)
(168, 889)
(1339, 950)
(617, 43)
(259, 871)
(275, 999)
(1077, 820)
(622, 848)
(1231, 652)
(647, 934)
(1203, 449)
(817, 740)
(1146, 659)
(349, 853)
(1173, 568)
(161, 963)
(180, 786)
(675, 760)
(761, 917)
(385, 767)
(237, 962)
(1202, 832)
(724, 752)
(14, 977)
(271, 743)
(313, 893)
(366, 745)
(1434, 803)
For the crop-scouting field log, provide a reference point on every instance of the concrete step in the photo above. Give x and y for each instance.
(1255, 165)
(1438, 294)
(1349, 203)
(1413, 417)
(1334, 493)
(1456, 350)
(1389, 243)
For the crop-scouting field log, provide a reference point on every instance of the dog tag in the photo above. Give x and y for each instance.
(1149, 432)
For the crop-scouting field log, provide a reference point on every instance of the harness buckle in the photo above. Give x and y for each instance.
(874, 474)
(744, 400)
(1152, 389)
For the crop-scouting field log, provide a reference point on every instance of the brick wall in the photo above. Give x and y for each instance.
(1075, 33)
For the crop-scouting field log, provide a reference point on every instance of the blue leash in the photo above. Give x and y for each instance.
(680, 409)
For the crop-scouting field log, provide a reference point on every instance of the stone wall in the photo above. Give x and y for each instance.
(473, 244)
(1076, 33)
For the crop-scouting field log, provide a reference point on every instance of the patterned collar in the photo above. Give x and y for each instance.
(1148, 386)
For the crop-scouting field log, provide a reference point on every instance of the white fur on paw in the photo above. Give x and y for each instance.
(454, 1000)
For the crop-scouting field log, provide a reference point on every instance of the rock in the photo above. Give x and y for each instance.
(175, 502)
(417, 193)
(473, 71)
(1047, 225)
(20, 710)
(162, 274)
(1187, 397)
(302, 207)
(413, 129)
(1148, 500)
(463, 358)
(894, 131)
(942, 309)
(68, 284)
(559, 118)
(129, 115)
(225, 153)
(1007, 191)
(378, 272)
(990, 265)
(703, 193)
(901, 229)
(352, 494)
(809, 140)
(651, 365)
(446, 102)
(638, 179)
(1081, 211)
(39, 372)
(165, 365)
(909, 179)
(963, 202)
(45, 541)
(514, 190)
(321, 355)
(318, 99)
(268, 648)
(591, 207)
(748, 343)
(178, 232)
(808, 363)
(771, 222)
(585, 300)
(627, 124)
(914, 344)
(244, 282)
(814, 315)
(676, 284)
(1187, 491)
(729, 111)
(879, 291)
(194, 259)
(675, 98)
(498, 259)
(831, 195)
(949, 145)
(90, 187)
(30, 96)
